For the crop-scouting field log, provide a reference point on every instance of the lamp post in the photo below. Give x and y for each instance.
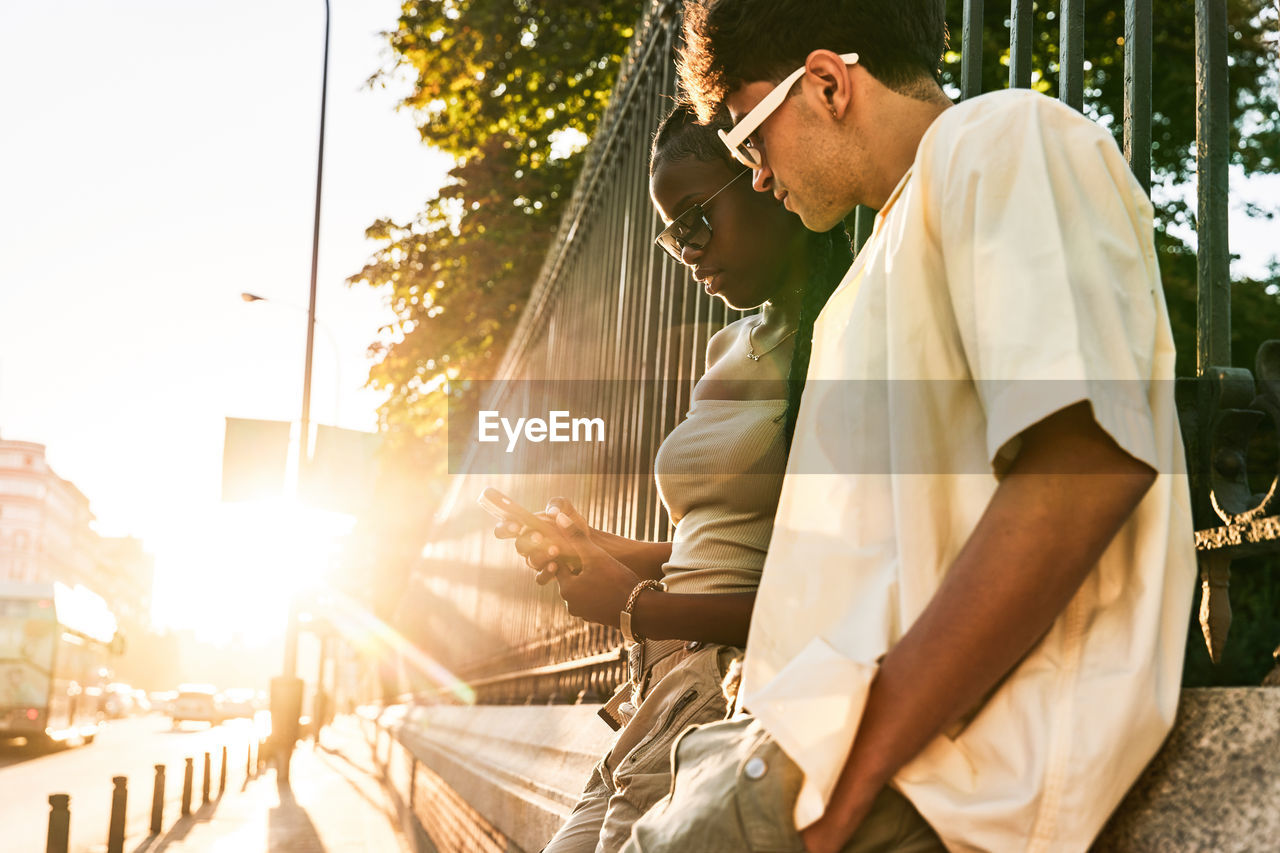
(286, 690)
(329, 336)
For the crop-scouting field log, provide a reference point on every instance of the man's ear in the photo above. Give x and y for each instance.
(829, 81)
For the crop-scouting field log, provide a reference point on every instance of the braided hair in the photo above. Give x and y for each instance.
(681, 137)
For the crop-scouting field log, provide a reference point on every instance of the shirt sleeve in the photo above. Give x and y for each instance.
(1050, 267)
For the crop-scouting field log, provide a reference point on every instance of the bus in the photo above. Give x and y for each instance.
(56, 643)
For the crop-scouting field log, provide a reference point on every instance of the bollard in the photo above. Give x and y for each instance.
(204, 788)
(59, 824)
(157, 802)
(119, 799)
(186, 787)
(222, 776)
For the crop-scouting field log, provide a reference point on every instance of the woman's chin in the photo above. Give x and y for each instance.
(739, 302)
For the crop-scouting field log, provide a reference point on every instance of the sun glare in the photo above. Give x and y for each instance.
(243, 565)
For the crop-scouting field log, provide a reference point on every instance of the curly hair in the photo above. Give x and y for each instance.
(681, 137)
(728, 43)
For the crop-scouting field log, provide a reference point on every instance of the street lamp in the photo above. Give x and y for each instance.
(329, 335)
(286, 690)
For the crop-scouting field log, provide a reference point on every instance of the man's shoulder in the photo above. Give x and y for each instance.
(996, 121)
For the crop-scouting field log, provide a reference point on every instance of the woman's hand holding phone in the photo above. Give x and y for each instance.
(537, 539)
(599, 592)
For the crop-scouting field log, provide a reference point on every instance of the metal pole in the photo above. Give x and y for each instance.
(119, 800)
(1071, 53)
(1213, 122)
(305, 441)
(285, 744)
(187, 779)
(157, 802)
(319, 707)
(971, 50)
(58, 840)
(1020, 45)
(1137, 89)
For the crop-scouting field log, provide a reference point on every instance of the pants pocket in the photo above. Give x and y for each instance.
(765, 792)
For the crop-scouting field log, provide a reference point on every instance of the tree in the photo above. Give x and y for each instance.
(512, 89)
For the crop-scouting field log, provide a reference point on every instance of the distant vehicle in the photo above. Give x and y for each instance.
(239, 702)
(118, 701)
(55, 644)
(196, 703)
(162, 700)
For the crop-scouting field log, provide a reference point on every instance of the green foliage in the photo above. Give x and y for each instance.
(512, 69)
(506, 86)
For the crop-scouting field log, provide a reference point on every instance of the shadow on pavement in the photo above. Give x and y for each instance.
(289, 827)
(179, 830)
(331, 757)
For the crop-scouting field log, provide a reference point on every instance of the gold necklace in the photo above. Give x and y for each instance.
(751, 351)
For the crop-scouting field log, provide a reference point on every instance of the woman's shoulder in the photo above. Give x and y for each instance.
(722, 341)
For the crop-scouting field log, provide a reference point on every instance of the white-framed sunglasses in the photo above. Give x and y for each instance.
(736, 138)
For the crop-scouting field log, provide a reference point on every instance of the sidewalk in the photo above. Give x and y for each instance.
(335, 804)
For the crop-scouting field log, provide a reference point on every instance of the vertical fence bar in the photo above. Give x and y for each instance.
(1020, 45)
(1213, 282)
(864, 220)
(119, 805)
(157, 802)
(58, 839)
(971, 50)
(1137, 89)
(222, 776)
(204, 787)
(1071, 53)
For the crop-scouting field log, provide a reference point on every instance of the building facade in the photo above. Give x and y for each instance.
(45, 536)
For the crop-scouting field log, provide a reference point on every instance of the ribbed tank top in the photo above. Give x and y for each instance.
(719, 473)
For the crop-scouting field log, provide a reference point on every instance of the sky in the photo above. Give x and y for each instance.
(157, 158)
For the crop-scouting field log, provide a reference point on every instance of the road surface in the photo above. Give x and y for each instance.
(129, 748)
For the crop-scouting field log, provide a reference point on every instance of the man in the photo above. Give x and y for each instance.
(972, 616)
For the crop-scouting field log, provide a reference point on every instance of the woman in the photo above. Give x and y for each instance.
(688, 602)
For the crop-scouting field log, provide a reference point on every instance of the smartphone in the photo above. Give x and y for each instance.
(504, 508)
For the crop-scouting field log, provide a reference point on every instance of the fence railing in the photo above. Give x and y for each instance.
(609, 306)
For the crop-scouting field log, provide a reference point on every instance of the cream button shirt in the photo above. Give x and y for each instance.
(1011, 274)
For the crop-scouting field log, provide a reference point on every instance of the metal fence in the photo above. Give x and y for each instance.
(609, 306)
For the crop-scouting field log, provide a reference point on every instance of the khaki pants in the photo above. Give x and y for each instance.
(735, 790)
(636, 771)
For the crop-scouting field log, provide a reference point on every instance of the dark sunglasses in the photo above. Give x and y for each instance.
(691, 229)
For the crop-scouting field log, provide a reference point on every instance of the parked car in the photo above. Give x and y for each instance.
(162, 700)
(197, 703)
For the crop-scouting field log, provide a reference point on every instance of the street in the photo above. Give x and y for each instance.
(129, 747)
